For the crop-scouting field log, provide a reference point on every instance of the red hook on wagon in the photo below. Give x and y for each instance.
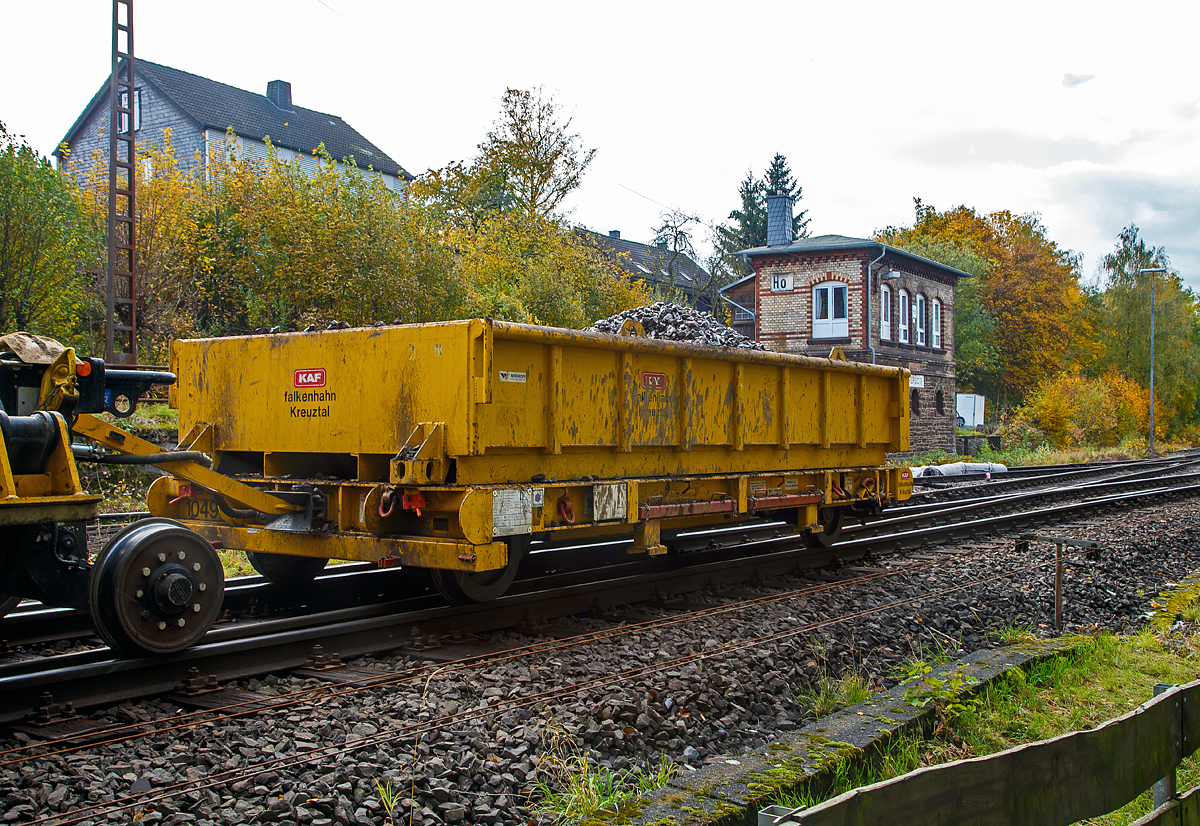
(566, 508)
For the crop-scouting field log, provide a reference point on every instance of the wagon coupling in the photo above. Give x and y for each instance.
(387, 503)
(566, 509)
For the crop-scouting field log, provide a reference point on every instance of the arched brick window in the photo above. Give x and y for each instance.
(914, 403)
(885, 312)
(830, 316)
(939, 402)
(937, 323)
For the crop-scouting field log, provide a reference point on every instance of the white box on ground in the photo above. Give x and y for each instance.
(970, 409)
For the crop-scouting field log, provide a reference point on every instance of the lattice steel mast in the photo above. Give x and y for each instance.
(120, 326)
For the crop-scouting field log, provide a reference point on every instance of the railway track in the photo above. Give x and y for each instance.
(947, 488)
(252, 597)
(418, 622)
(292, 764)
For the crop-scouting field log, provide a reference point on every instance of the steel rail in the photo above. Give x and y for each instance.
(966, 509)
(948, 488)
(31, 627)
(290, 644)
(1065, 482)
(326, 753)
(1037, 470)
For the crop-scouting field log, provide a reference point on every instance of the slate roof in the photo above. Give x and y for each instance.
(650, 263)
(214, 105)
(735, 284)
(833, 243)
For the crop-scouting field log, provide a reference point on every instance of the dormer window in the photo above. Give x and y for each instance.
(829, 311)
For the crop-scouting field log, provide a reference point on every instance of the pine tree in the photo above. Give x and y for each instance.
(778, 180)
(749, 227)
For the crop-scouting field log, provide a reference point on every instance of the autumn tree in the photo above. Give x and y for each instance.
(50, 234)
(1030, 289)
(531, 156)
(1126, 326)
(276, 245)
(262, 244)
(514, 255)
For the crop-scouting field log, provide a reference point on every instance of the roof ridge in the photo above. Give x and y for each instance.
(213, 104)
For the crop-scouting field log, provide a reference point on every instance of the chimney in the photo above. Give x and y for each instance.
(279, 92)
(779, 220)
(614, 233)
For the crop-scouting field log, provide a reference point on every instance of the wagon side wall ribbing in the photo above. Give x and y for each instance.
(516, 401)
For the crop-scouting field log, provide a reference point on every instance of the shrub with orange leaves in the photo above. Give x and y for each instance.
(1073, 410)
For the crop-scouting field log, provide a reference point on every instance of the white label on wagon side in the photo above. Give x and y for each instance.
(512, 511)
(509, 375)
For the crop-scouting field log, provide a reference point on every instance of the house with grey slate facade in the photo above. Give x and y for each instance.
(200, 113)
(877, 303)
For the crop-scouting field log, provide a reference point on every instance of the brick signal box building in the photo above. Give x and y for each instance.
(877, 303)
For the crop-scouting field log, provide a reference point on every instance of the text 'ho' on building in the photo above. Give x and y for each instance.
(809, 295)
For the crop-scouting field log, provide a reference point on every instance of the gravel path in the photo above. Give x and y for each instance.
(690, 690)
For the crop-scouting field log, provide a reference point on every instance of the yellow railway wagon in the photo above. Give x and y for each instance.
(447, 446)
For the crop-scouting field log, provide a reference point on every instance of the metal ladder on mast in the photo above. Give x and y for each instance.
(121, 323)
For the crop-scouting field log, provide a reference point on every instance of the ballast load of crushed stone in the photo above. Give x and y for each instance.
(673, 322)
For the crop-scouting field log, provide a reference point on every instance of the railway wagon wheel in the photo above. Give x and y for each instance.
(156, 588)
(286, 569)
(7, 604)
(830, 520)
(462, 588)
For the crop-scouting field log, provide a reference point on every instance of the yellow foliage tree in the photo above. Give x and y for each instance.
(1072, 409)
(277, 246)
(1029, 288)
(49, 235)
(257, 244)
(515, 258)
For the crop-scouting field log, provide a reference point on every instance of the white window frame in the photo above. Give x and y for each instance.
(919, 318)
(832, 327)
(904, 316)
(937, 323)
(885, 312)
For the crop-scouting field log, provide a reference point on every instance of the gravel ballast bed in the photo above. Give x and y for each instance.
(732, 700)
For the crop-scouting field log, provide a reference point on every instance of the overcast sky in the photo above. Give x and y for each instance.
(1085, 112)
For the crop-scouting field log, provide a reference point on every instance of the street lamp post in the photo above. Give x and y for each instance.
(1152, 270)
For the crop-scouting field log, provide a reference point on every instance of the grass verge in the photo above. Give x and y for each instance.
(1100, 680)
(571, 787)
(151, 416)
(1021, 456)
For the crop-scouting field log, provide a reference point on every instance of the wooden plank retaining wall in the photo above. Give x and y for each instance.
(1054, 782)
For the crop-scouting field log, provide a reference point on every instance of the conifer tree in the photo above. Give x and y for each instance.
(749, 227)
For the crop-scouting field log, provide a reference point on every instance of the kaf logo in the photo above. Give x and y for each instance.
(310, 377)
